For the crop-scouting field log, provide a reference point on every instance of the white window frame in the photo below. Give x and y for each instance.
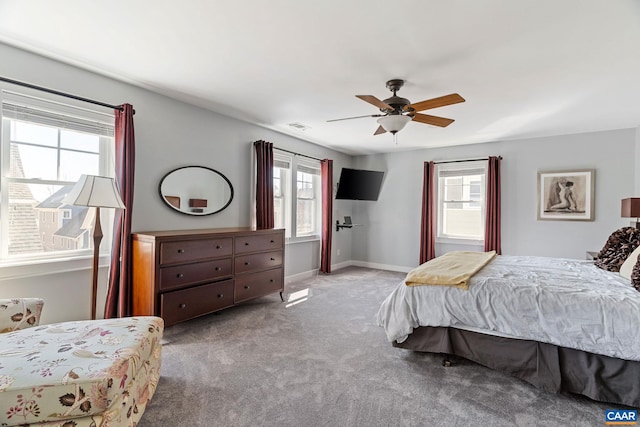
(464, 168)
(291, 200)
(285, 163)
(29, 265)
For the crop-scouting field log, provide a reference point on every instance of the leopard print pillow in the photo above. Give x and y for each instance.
(635, 275)
(619, 246)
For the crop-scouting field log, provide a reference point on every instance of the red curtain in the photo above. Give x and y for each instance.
(119, 295)
(427, 226)
(264, 184)
(326, 173)
(492, 226)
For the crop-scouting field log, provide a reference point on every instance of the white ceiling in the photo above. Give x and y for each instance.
(526, 68)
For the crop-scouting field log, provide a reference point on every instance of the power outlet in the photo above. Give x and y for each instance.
(338, 252)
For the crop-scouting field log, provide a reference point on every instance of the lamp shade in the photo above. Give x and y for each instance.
(91, 190)
(630, 208)
(394, 123)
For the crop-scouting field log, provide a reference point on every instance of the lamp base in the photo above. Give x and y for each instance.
(635, 224)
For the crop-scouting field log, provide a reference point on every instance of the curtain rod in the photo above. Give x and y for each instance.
(464, 160)
(55, 92)
(297, 154)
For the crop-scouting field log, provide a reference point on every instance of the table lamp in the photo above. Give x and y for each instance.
(631, 209)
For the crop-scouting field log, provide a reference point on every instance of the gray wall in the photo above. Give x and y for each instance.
(391, 234)
(169, 134)
(637, 165)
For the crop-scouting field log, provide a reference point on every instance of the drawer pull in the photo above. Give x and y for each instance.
(220, 295)
(246, 243)
(271, 280)
(246, 263)
(179, 275)
(183, 305)
(218, 247)
(246, 286)
(218, 269)
(273, 259)
(180, 251)
(271, 241)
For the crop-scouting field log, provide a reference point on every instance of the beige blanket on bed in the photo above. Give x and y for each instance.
(451, 269)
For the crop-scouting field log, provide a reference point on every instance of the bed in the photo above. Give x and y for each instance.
(559, 324)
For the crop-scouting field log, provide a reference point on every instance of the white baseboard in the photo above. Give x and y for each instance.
(313, 273)
(340, 265)
(301, 276)
(378, 266)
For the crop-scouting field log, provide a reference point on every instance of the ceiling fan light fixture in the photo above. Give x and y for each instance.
(394, 123)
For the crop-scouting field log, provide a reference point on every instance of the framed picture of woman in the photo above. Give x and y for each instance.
(566, 195)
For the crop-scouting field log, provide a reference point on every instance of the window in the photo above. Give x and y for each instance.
(45, 147)
(461, 200)
(282, 193)
(297, 212)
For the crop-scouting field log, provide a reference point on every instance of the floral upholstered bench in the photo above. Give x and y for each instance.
(80, 373)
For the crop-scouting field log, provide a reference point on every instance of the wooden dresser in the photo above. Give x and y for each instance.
(182, 274)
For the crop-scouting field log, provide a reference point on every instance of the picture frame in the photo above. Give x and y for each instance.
(566, 195)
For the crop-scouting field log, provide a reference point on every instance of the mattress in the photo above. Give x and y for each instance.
(565, 302)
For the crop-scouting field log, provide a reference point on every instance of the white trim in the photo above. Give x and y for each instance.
(341, 265)
(377, 266)
(460, 241)
(374, 265)
(301, 276)
(41, 268)
(313, 273)
(302, 239)
(460, 167)
(52, 262)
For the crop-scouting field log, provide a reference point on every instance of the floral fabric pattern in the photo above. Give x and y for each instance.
(618, 247)
(635, 275)
(19, 313)
(84, 373)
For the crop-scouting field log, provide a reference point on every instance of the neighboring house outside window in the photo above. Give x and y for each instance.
(461, 203)
(46, 145)
(298, 212)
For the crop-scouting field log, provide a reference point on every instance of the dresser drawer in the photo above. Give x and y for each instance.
(180, 275)
(258, 284)
(193, 250)
(186, 304)
(264, 242)
(254, 262)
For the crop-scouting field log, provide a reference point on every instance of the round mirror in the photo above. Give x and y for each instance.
(196, 190)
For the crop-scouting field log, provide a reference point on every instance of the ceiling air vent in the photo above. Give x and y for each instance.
(299, 127)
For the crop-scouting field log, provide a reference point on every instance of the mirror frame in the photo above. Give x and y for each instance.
(162, 196)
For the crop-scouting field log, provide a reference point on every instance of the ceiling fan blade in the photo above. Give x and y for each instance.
(379, 130)
(375, 101)
(453, 98)
(356, 117)
(432, 120)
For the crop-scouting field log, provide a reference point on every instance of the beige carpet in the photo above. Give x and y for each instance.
(320, 360)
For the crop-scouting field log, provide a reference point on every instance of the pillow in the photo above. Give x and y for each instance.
(630, 262)
(619, 246)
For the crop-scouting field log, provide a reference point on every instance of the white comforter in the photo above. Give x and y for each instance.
(565, 302)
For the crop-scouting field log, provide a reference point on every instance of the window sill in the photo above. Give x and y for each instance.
(44, 267)
(293, 240)
(460, 241)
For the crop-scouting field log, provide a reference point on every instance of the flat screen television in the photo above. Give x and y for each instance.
(359, 184)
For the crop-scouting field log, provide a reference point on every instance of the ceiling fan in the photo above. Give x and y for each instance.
(398, 111)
